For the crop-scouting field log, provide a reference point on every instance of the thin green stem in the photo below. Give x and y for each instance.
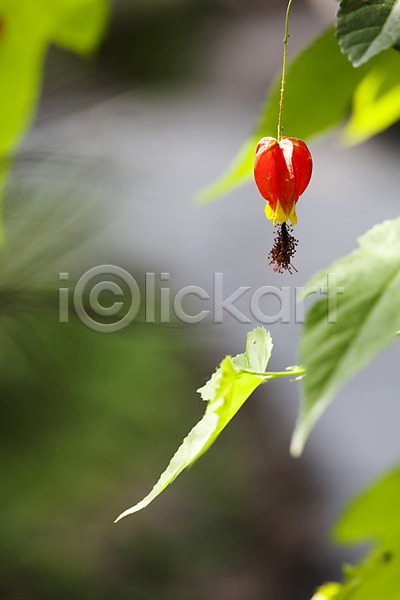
(293, 372)
(285, 44)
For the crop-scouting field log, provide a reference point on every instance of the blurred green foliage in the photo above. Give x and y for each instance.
(374, 518)
(376, 101)
(83, 414)
(27, 27)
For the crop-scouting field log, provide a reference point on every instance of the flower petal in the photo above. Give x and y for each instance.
(302, 165)
(272, 175)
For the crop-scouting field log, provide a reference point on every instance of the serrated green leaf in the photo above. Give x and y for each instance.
(226, 391)
(366, 317)
(258, 351)
(376, 101)
(319, 86)
(366, 27)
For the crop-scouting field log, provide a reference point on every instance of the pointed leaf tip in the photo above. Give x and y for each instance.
(225, 392)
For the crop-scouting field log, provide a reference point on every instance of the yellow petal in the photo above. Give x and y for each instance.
(292, 215)
(269, 213)
(279, 214)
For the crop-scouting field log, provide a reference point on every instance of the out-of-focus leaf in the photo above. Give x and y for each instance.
(319, 86)
(374, 578)
(22, 49)
(376, 102)
(374, 517)
(357, 320)
(226, 391)
(76, 24)
(366, 27)
(28, 26)
(329, 591)
(26, 29)
(21, 54)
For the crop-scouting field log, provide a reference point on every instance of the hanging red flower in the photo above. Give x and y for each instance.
(282, 171)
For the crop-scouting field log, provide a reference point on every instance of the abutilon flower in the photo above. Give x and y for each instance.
(282, 171)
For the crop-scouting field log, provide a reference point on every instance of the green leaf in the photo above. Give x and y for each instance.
(357, 320)
(376, 102)
(375, 517)
(27, 27)
(374, 578)
(226, 391)
(76, 24)
(366, 27)
(21, 55)
(329, 591)
(319, 86)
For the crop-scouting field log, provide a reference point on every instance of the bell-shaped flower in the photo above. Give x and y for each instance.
(282, 171)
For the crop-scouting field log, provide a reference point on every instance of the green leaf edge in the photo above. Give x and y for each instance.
(222, 406)
(307, 421)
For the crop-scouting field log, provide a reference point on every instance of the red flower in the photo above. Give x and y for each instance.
(282, 171)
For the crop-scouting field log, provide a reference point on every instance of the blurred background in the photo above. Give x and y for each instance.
(120, 146)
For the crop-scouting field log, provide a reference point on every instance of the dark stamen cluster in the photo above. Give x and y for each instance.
(283, 249)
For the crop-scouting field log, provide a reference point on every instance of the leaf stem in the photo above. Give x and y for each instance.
(285, 43)
(294, 372)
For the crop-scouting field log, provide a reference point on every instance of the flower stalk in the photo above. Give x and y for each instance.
(285, 45)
